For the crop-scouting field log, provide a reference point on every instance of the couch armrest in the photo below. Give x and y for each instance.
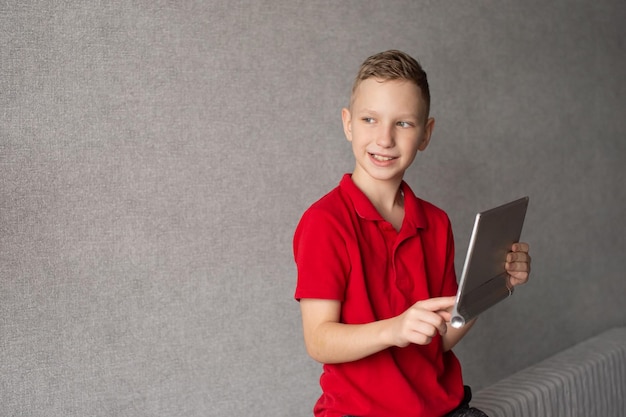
(588, 379)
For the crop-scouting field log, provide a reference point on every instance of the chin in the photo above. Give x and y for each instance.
(386, 176)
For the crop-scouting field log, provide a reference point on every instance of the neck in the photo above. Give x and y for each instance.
(385, 195)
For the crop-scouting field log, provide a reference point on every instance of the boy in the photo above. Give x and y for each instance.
(376, 278)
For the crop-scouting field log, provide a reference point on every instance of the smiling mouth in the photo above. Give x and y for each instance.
(381, 158)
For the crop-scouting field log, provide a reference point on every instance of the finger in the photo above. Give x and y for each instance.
(518, 277)
(420, 319)
(445, 315)
(438, 321)
(426, 329)
(429, 329)
(517, 267)
(520, 247)
(517, 257)
(436, 304)
(515, 281)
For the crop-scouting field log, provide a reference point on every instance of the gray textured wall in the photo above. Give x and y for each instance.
(155, 157)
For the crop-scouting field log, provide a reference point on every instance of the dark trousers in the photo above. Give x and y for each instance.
(464, 410)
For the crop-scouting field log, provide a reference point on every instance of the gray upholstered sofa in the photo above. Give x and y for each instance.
(586, 380)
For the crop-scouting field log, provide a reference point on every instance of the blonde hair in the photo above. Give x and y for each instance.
(393, 65)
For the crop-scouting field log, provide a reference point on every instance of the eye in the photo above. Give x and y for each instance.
(368, 120)
(404, 124)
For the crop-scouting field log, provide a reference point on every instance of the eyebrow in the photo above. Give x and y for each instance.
(403, 116)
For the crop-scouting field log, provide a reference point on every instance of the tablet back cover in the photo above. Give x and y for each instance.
(484, 281)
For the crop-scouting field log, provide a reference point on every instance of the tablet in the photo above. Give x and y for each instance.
(484, 281)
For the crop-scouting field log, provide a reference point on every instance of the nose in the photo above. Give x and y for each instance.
(385, 137)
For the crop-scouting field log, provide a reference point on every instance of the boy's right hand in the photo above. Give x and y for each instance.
(422, 321)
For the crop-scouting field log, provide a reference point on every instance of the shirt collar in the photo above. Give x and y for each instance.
(414, 216)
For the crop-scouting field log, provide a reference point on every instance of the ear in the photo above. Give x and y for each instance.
(428, 131)
(346, 118)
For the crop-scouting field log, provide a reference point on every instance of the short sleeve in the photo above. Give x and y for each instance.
(321, 256)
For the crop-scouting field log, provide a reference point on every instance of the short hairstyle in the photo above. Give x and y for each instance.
(393, 65)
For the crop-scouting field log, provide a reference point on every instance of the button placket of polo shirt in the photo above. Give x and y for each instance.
(397, 298)
(408, 282)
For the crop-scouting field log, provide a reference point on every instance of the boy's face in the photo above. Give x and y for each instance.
(387, 125)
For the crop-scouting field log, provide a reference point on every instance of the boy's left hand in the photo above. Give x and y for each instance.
(518, 264)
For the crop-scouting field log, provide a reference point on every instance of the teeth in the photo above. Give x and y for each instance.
(381, 158)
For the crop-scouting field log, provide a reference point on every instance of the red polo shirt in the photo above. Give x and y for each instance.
(344, 250)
